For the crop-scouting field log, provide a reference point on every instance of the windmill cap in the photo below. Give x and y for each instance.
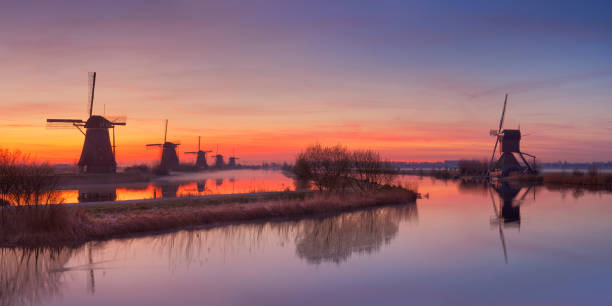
(98, 122)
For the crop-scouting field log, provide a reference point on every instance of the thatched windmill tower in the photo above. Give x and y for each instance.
(509, 141)
(169, 158)
(98, 155)
(201, 157)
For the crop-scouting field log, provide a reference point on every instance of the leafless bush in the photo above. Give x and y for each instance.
(370, 171)
(24, 182)
(336, 168)
(326, 167)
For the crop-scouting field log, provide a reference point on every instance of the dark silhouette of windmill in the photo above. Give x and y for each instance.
(98, 155)
(219, 162)
(232, 160)
(509, 141)
(201, 157)
(169, 158)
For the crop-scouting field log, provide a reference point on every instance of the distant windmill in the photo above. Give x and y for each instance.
(509, 141)
(201, 157)
(169, 158)
(219, 163)
(97, 156)
(232, 160)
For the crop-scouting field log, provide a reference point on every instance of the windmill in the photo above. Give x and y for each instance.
(97, 155)
(169, 158)
(509, 141)
(219, 163)
(201, 157)
(232, 160)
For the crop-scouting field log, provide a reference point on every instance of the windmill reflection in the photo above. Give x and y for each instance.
(201, 186)
(169, 190)
(97, 194)
(508, 214)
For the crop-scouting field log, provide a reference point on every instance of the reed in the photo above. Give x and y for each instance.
(592, 178)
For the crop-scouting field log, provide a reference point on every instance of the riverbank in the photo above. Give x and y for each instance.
(56, 225)
(575, 179)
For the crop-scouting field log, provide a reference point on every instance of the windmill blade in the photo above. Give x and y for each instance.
(166, 131)
(501, 125)
(117, 120)
(64, 123)
(501, 122)
(65, 120)
(154, 145)
(92, 88)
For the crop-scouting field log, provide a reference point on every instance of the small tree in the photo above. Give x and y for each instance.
(336, 168)
(327, 167)
(370, 171)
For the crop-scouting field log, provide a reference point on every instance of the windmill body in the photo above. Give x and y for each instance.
(98, 153)
(200, 157)
(232, 160)
(169, 158)
(219, 162)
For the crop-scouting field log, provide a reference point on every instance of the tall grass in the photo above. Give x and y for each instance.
(592, 178)
(473, 167)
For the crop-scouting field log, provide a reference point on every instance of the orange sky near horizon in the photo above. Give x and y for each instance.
(265, 80)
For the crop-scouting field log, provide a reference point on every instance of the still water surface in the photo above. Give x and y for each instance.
(183, 185)
(547, 248)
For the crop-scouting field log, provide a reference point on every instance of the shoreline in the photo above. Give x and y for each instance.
(65, 225)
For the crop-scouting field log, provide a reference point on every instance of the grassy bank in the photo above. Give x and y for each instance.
(64, 225)
(574, 179)
(579, 179)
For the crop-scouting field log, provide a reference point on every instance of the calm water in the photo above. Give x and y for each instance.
(547, 248)
(183, 185)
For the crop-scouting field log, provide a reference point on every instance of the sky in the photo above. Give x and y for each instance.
(415, 80)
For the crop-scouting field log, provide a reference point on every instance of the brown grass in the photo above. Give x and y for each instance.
(577, 178)
(64, 225)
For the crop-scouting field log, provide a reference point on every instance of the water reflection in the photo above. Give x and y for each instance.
(89, 194)
(27, 276)
(32, 276)
(199, 184)
(336, 239)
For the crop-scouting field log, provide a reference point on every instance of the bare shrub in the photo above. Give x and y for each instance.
(326, 167)
(336, 168)
(24, 182)
(370, 171)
